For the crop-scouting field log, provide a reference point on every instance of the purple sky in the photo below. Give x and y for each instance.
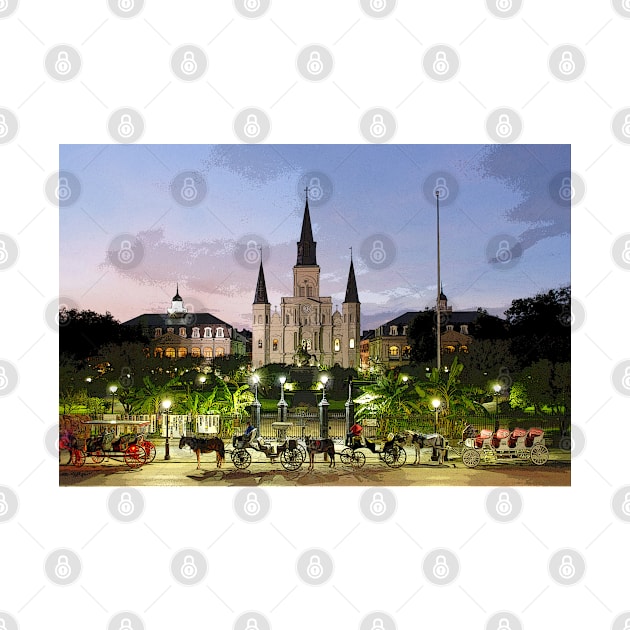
(129, 236)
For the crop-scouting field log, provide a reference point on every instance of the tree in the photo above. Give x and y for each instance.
(423, 337)
(390, 394)
(487, 362)
(540, 327)
(488, 326)
(149, 397)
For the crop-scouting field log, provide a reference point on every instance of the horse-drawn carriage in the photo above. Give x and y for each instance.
(490, 446)
(113, 439)
(287, 450)
(392, 451)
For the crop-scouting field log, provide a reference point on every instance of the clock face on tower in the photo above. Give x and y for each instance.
(306, 308)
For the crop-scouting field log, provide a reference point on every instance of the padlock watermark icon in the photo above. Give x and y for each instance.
(252, 5)
(252, 126)
(315, 64)
(440, 63)
(378, 5)
(4, 381)
(189, 568)
(440, 568)
(125, 505)
(63, 570)
(189, 189)
(567, 63)
(504, 505)
(4, 254)
(441, 189)
(314, 568)
(63, 64)
(378, 507)
(125, 253)
(378, 128)
(4, 128)
(63, 192)
(625, 129)
(252, 253)
(126, 5)
(504, 126)
(252, 505)
(504, 5)
(126, 128)
(378, 255)
(189, 64)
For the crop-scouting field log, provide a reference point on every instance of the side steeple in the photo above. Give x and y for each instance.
(352, 295)
(260, 296)
(307, 246)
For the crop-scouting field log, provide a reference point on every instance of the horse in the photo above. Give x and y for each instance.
(204, 445)
(432, 440)
(320, 445)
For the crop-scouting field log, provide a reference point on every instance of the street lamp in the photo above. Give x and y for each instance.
(497, 390)
(113, 389)
(324, 380)
(282, 405)
(202, 380)
(256, 380)
(166, 406)
(436, 402)
(256, 404)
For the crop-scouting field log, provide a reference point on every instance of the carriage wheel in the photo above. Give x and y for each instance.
(135, 456)
(346, 456)
(358, 459)
(291, 458)
(77, 458)
(522, 453)
(303, 451)
(470, 457)
(395, 457)
(241, 458)
(149, 448)
(539, 454)
(98, 456)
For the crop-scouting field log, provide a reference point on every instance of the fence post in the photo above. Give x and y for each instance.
(323, 418)
(256, 415)
(349, 409)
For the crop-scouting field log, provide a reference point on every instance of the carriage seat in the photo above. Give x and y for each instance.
(534, 436)
(517, 438)
(485, 434)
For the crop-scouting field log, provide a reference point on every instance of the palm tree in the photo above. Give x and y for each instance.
(149, 397)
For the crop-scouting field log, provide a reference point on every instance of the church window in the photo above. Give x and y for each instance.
(219, 332)
(158, 332)
(170, 353)
(463, 329)
(266, 319)
(275, 344)
(306, 344)
(220, 352)
(351, 318)
(323, 319)
(309, 290)
(207, 331)
(195, 352)
(195, 332)
(181, 353)
(344, 318)
(352, 343)
(287, 320)
(260, 343)
(394, 352)
(337, 345)
(260, 319)
(182, 331)
(301, 291)
(158, 353)
(207, 353)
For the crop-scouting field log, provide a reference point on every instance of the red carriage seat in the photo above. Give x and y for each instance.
(516, 433)
(483, 435)
(501, 434)
(534, 432)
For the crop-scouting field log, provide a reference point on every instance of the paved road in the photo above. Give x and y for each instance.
(181, 470)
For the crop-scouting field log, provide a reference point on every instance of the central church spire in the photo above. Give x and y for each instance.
(307, 246)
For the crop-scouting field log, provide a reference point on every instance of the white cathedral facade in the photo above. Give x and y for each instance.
(306, 331)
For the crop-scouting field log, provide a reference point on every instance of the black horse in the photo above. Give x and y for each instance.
(432, 440)
(204, 445)
(320, 445)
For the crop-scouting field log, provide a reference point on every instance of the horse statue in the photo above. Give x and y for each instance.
(320, 445)
(204, 445)
(432, 440)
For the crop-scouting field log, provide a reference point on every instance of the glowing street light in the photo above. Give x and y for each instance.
(166, 404)
(324, 380)
(113, 389)
(282, 405)
(436, 402)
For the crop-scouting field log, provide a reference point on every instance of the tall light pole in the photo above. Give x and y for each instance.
(282, 405)
(439, 283)
(436, 402)
(202, 380)
(323, 409)
(113, 389)
(497, 390)
(166, 406)
(256, 404)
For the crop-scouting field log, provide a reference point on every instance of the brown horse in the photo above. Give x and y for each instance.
(320, 445)
(204, 445)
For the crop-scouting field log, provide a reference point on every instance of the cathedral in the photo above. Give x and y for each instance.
(306, 331)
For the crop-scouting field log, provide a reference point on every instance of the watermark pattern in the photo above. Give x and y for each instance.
(125, 504)
(315, 567)
(252, 620)
(9, 377)
(9, 504)
(567, 567)
(620, 504)
(504, 620)
(378, 504)
(7, 8)
(504, 504)
(504, 8)
(125, 252)
(378, 125)
(378, 251)
(125, 8)
(252, 8)
(441, 62)
(441, 566)
(252, 504)
(57, 312)
(9, 125)
(503, 252)
(189, 567)
(378, 8)
(567, 62)
(575, 442)
(252, 125)
(249, 250)
(319, 185)
(63, 566)
(7, 621)
(9, 251)
(315, 62)
(621, 377)
(189, 62)
(63, 188)
(442, 183)
(126, 125)
(377, 620)
(126, 620)
(63, 62)
(567, 189)
(189, 188)
(621, 251)
(504, 125)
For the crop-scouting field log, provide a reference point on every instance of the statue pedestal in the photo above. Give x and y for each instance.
(281, 429)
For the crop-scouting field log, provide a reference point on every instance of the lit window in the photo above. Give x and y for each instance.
(182, 331)
(352, 343)
(158, 332)
(170, 353)
(275, 344)
(449, 327)
(220, 352)
(260, 343)
(207, 353)
(158, 352)
(393, 330)
(463, 329)
(337, 345)
(394, 351)
(182, 352)
(195, 352)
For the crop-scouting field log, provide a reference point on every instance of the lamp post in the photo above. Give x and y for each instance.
(202, 380)
(256, 404)
(323, 409)
(166, 405)
(113, 389)
(436, 402)
(349, 407)
(497, 390)
(282, 405)
(437, 304)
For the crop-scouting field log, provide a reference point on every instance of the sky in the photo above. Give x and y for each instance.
(136, 220)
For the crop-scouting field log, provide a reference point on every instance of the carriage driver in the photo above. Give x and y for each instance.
(248, 429)
(355, 432)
